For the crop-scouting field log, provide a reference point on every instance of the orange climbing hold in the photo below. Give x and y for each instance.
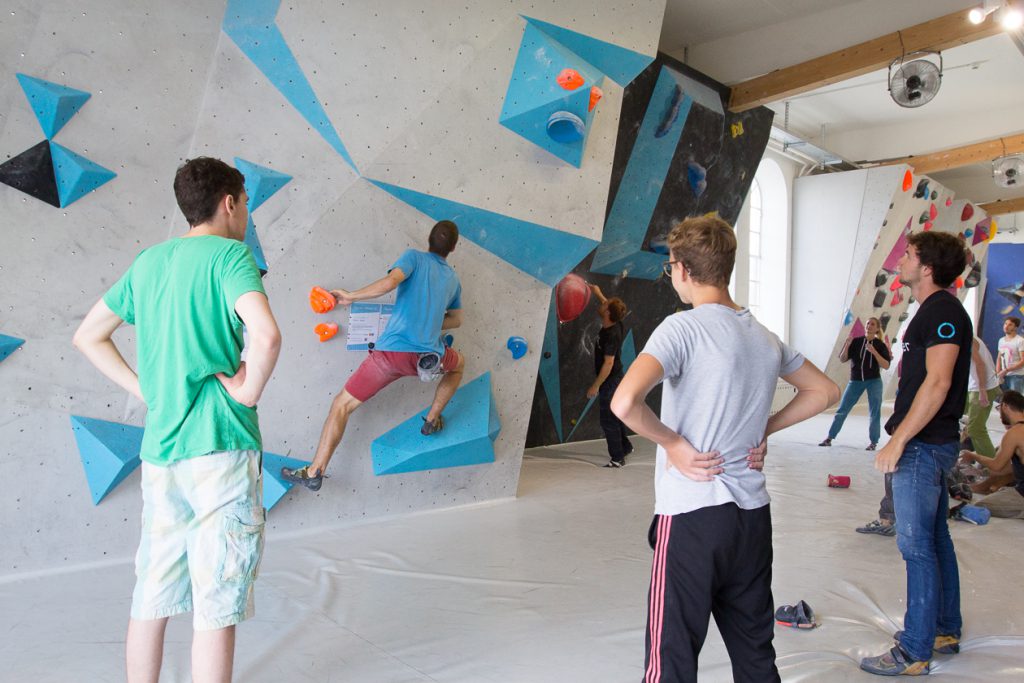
(595, 96)
(326, 330)
(320, 300)
(908, 180)
(570, 79)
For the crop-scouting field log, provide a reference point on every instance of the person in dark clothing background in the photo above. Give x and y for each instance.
(868, 356)
(608, 371)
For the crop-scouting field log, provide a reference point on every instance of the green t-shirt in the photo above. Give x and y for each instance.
(181, 295)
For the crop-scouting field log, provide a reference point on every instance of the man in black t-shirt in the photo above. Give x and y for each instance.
(608, 372)
(922, 449)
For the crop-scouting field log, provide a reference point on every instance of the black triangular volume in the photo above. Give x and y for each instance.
(32, 173)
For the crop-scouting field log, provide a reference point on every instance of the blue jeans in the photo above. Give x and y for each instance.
(933, 580)
(850, 397)
(1013, 383)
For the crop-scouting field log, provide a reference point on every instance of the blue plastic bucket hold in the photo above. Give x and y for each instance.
(566, 127)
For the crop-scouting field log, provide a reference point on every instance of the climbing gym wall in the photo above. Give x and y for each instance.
(357, 127)
(679, 153)
(851, 230)
(1004, 292)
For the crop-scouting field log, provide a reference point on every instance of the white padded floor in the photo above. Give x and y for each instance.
(548, 587)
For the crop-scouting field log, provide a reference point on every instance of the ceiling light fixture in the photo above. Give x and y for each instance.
(1008, 15)
(980, 13)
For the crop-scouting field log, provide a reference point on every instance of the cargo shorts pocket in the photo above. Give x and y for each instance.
(243, 544)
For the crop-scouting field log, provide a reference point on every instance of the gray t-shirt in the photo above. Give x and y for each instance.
(721, 368)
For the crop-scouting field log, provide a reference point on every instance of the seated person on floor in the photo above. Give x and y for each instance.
(1007, 502)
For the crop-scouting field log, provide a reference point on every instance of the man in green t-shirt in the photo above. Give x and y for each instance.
(202, 514)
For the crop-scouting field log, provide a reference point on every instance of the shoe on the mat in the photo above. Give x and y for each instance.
(826, 442)
(615, 463)
(894, 663)
(433, 427)
(877, 527)
(944, 645)
(301, 476)
(799, 615)
(871, 446)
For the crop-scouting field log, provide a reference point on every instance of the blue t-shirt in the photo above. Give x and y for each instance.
(430, 288)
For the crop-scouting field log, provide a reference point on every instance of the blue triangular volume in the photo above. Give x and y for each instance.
(260, 182)
(274, 485)
(9, 345)
(544, 253)
(533, 124)
(621, 64)
(550, 376)
(76, 176)
(53, 104)
(534, 76)
(628, 351)
(109, 452)
(470, 426)
(579, 420)
(252, 240)
(251, 24)
(621, 248)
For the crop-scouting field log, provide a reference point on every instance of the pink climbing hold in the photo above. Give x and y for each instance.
(932, 212)
(949, 201)
(928, 226)
(569, 79)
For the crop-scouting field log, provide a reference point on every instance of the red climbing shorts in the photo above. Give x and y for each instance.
(381, 368)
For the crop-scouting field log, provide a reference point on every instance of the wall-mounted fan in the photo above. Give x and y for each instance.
(1009, 171)
(914, 79)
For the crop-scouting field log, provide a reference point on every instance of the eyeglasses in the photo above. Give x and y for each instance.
(666, 267)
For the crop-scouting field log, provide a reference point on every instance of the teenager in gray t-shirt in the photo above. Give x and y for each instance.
(712, 532)
(720, 370)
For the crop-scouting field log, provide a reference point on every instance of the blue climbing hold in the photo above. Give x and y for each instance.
(697, 176)
(566, 127)
(274, 485)
(109, 452)
(518, 347)
(9, 345)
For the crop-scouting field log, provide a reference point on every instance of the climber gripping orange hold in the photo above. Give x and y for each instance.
(320, 300)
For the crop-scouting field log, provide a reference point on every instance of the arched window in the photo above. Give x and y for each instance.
(767, 246)
(754, 249)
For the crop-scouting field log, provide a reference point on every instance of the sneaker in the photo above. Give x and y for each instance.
(894, 663)
(944, 645)
(301, 476)
(877, 527)
(871, 447)
(826, 442)
(615, 463)
(429, 428)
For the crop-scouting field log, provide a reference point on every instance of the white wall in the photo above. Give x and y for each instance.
(416, 102)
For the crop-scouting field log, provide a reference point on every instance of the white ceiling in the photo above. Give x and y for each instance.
(982, 93)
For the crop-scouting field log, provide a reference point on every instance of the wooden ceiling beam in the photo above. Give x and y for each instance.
(935, 35)
(943, 160)
(1003, 206)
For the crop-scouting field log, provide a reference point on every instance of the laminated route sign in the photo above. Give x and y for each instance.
(366, 322)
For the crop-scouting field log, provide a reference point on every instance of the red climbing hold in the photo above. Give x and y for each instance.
(908, 181)
(932, 212)
(572, 295)
(967, 212)
(595, 96)
(569, 79)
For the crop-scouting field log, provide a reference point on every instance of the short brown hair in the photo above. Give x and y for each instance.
(1013, 400)
(706, 246)
(201, 183)
(443, 237)
(943, 252)
(616, 309)
(1015, 320)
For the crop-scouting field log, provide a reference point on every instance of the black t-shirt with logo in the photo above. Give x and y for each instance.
(863, 365)
(609, 343)
(941, 319)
